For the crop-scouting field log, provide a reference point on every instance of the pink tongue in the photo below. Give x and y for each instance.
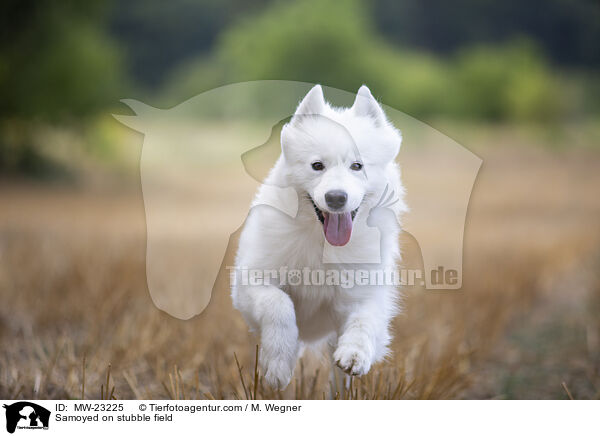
(337, 228)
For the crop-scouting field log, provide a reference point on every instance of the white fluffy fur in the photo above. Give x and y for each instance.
(354, 322)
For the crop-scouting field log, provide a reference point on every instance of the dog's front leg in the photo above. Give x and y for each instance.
(271, 311)
(362, 335)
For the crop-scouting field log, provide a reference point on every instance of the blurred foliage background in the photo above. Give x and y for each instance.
(67, 64)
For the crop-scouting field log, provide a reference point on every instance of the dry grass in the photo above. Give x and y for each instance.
(76, 319)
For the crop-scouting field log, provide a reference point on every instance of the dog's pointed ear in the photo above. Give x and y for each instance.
(313, 103)
(365, 105)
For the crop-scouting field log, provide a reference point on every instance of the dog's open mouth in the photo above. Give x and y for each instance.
(336, 226)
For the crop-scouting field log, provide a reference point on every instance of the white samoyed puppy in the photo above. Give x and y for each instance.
(340, 165)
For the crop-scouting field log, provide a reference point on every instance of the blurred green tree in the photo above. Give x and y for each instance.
(159, 35)
(313, 41)
(56, 64)
(511, 81)
(334, 43)
(568, 31)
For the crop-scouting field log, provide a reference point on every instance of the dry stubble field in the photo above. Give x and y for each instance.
(76, 318)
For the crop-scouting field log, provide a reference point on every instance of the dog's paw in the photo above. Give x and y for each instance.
(278, 373)
(352, 359)
(277, 358)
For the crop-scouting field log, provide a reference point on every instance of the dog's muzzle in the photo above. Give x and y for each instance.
(337, 227)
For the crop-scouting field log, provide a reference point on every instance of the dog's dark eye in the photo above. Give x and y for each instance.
(356, 166)
(318, 166)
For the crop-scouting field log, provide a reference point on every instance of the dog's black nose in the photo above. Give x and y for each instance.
(336, 199)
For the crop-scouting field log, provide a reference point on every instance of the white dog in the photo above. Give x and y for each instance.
(340, 164)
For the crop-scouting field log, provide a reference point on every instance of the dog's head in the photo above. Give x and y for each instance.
(338, 156)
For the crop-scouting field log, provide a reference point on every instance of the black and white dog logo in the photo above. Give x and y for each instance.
(26, 415)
